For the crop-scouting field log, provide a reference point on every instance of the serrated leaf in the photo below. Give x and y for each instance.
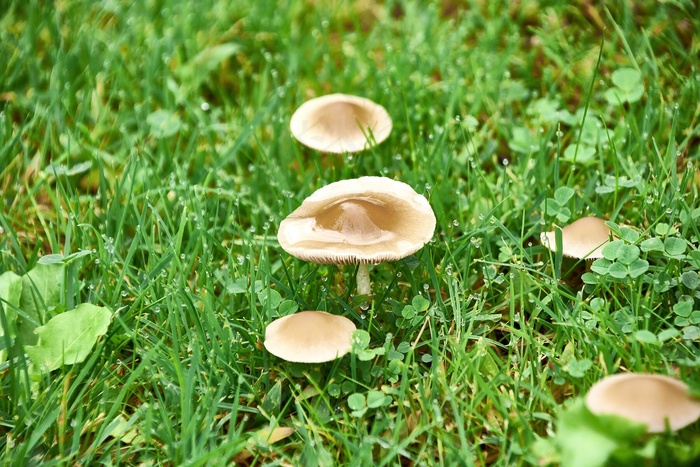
(68, 338)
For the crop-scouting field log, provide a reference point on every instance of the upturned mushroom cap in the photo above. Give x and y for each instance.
(358, 221)
(645, 398)
(340, 123)
(309, 337)
(584, 238)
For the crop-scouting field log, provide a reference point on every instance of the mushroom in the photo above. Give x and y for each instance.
(358, 221)
(645, 398)
(584, 238)
(309, 337)
(340, 123)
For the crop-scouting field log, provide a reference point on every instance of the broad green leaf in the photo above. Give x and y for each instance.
(360, 340)
(376, 399)
(629, 235)
(662, 229)
(646, 337)
(584, 155)
(675, 246)
(683, 309)
(691, 333)
(610, 249)
(270, 298)
(668, 334)
(420, 303)
(356, 401)
(694, 317)
(10, 295)
(652, 244)
(197, 70)
(563, 195)
(627, 79)
(163, 123)
(68, 338)
(588, 440)
(627, 254)
(690, 279)
(601, 266)
(41, 294)
(287, 307)
(638, 267)
(408, 312)
(240, 285)
(618, 270)
(577, 368)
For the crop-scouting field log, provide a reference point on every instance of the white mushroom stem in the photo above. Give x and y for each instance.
(363, 284)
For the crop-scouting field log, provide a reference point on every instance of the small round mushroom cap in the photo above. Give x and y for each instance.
(340, 123)
(645, 398)
(358, 221)
(584, 238)
(309, 337)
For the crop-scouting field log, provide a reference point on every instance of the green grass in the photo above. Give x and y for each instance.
(181, 222)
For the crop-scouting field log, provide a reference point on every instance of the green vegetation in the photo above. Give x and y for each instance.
(147, 143)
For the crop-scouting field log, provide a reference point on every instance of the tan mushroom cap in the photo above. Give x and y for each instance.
(645, 398)
(340, 123)
(358, 221)
(584, 238)
(309, 337)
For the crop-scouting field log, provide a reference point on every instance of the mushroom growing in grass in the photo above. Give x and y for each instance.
(358, 221)
(584, 238)
(309, 337)
(339, 123)
(653, 400)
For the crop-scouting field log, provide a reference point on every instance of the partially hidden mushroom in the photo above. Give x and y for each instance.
(309, 337)
(339, 123)
(582, 239)
(358, 221)
(653, 400)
